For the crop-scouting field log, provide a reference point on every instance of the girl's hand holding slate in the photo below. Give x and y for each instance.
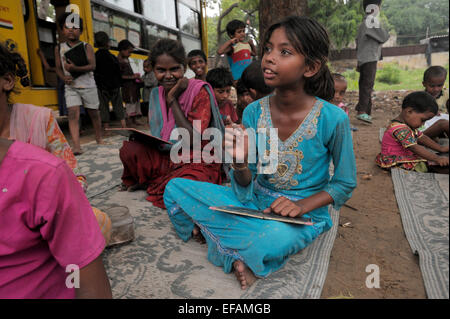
(285, 207)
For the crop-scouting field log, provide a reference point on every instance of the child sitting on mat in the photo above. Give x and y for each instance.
(402, 142)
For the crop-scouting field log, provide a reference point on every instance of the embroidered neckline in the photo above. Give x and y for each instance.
(299, 131)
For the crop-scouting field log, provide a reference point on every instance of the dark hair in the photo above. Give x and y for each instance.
(63, 19)
(253, 78)
(101, 39)
(233, 25)
(338, 77)
(219, 78)
(240, 87)
(421, 102)
(311, 40)
(199, 53)
(12, 62)
(369, 2)
(435, 71)
(170, 47)
(125, 45)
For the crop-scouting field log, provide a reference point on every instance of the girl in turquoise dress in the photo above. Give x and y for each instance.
(311, 134)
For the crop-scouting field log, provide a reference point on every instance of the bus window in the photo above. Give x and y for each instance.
(155, 32)
(161, 12)
(194, 4)
(100, 21)
(188, 19)
(46, 11)
(190, 44)
(118, 25)
(124, 4)
(118, 35)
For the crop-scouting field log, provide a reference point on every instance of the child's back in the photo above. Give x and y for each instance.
(42, 211)
(107, 71)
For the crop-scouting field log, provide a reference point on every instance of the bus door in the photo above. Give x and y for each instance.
(12, 28)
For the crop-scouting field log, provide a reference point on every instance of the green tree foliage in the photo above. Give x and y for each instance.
(412, 18)
(340, 18)
(246, 10)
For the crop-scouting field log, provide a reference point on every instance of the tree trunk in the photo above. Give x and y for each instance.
(271, 11)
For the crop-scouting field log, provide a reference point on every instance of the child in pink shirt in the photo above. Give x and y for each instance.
(403, 145)
(46, 225)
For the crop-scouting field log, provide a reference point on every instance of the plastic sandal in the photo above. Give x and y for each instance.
(364, 117)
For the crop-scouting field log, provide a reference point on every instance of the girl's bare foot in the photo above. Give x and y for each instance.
(136, 187)
(243, 274)
(78, 152)
(197, 235)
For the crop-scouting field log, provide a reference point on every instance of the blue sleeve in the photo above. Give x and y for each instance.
(343, 182)
(246, 194)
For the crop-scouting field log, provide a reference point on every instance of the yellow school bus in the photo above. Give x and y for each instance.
(27, 26)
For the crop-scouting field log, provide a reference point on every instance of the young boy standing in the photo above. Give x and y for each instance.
(369, 40)
(81, 90)
(108, 78)
(238, 51)
(130, 90)
(150, 81)
(221, 81)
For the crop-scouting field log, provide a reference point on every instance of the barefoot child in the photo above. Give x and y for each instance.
(197, 62)
(81, 90)
(130, 90)
(176, 103)
(150, 82)
(221, 81)
(108, 79)
(402, 142)
(311, 134)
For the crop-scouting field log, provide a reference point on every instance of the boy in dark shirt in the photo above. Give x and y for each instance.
(221, 81)
(108, 78)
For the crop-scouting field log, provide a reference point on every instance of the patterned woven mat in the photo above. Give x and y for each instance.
(158, 264)
(423, 200)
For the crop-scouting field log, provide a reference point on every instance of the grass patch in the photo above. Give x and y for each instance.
(392, 78)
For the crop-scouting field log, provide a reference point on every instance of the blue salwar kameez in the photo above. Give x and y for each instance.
(303, 170)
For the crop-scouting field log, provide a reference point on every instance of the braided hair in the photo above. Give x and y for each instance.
(12, 62)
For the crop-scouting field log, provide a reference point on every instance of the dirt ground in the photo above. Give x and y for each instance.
(371, 233)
